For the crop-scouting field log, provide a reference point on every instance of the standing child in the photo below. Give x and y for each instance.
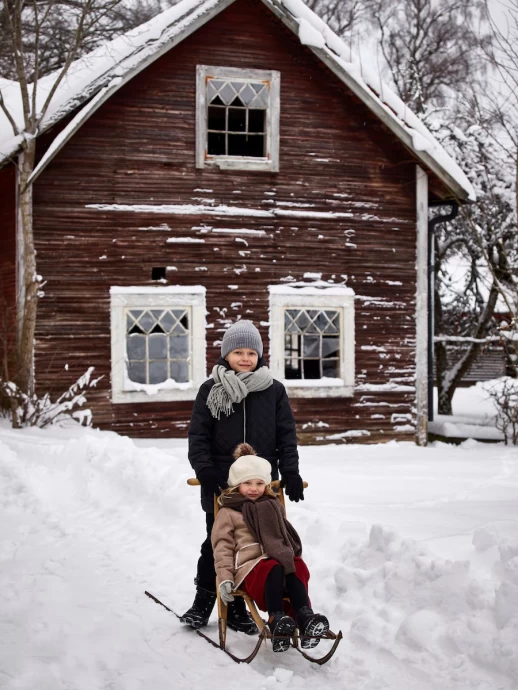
(241, 402)
(258, 550)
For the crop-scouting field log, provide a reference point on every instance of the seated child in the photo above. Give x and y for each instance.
(256, 549)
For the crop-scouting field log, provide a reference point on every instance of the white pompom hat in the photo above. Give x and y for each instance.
(249, 467)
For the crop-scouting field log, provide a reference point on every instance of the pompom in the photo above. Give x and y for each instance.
(243, 449)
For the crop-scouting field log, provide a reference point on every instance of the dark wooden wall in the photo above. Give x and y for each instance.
(7, 263)
(139, 148)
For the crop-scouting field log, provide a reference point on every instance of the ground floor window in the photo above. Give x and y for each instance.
(312, 339)
(158, 343)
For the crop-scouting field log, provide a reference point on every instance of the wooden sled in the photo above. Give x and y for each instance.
(264, 632)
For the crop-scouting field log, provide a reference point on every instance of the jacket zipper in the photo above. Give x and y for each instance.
(244, 420)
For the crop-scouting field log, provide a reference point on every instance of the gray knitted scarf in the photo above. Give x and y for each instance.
(231, 387)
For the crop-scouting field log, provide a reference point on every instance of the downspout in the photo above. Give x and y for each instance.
(436, 220)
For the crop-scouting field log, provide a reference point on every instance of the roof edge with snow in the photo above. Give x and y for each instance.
(113, 64)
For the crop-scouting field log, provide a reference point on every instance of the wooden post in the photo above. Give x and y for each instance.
(421, 306)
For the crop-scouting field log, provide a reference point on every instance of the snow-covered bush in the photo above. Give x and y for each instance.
(31, 410)
(505, 396)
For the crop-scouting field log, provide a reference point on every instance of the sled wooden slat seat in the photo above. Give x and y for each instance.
(264, 632)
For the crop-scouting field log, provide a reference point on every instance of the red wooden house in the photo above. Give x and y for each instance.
(227, 160)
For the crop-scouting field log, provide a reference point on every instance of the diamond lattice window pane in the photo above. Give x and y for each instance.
(290, 326)
(247, 94)
(260, 101)
(157, 372)
(136, 346)
(302, 320)
(211, 89)
(227, 94)
(167, 321)
(147, 321)
(137, 372)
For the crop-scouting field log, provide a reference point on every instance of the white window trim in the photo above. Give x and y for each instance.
(284, 297)
(271, 161)
(126, 391)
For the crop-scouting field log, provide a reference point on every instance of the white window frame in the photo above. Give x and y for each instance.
(270, 162)
(283, 297)
(123, 389)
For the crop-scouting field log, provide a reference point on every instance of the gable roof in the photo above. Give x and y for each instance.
(92, 79)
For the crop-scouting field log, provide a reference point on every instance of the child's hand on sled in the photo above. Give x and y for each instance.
(225, 592)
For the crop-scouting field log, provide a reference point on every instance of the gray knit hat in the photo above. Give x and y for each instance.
(241, 334)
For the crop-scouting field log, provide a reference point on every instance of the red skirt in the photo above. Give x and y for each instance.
(255, 581)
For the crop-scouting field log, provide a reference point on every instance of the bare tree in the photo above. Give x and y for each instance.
(429, 47)
(342, 15)
(482, 243)
(82, 19)
(51, 39)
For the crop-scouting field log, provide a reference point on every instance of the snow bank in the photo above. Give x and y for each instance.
(91, 519)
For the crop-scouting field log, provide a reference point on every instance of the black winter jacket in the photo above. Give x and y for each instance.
(264, 419)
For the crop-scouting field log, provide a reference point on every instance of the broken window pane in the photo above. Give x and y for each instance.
(256, 120)
(216, 144)
(309, 351)
(236, 107)
(236, 119)
(237, 145)
(216, 118)
(256, 146)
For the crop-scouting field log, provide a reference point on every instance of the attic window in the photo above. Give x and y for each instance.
(237, 118)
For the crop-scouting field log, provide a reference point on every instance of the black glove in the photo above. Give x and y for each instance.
(294, 486)
(208, 478)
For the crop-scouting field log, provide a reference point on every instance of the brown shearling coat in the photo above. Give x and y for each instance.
(235, 550)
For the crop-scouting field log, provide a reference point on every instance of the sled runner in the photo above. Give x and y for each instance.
(264, 632)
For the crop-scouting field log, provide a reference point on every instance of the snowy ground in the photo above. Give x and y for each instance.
(413, 552)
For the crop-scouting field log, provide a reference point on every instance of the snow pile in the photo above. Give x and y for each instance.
(91, 519)
(399, 597)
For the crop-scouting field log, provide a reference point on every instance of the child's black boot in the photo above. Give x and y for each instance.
(239, 619)
(312, 626)
(282, 628)
(199, 613)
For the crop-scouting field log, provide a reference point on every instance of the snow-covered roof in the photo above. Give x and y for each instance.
(114, 63)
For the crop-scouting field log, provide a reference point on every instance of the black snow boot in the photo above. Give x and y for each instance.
(239, 619)
(282, 627)
(199, 613)
(311, 627)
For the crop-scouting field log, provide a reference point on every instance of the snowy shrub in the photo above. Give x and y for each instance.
(505, 396)
(31, 410)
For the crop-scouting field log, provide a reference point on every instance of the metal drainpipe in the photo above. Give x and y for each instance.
(431, 281)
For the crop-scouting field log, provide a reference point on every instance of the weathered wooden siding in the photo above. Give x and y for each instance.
(139, 148)
(7, 261)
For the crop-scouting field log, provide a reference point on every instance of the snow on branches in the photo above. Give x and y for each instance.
(31, 410)
(476, 259)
